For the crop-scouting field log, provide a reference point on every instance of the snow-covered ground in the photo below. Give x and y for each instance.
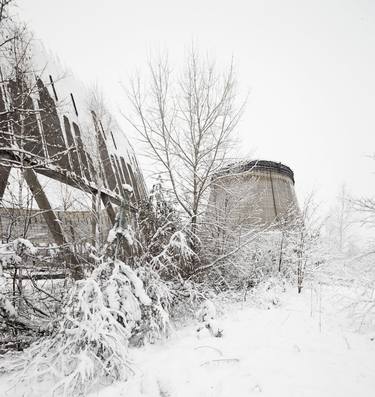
(297, 348)
(294, 349)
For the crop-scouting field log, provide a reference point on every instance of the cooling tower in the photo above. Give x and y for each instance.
(252, 194)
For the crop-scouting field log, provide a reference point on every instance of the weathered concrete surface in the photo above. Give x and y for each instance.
(256, 193)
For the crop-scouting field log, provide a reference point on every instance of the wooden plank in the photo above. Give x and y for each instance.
(91, 168)
(73, 152)
(121, 174)
(141, 181)
(81, 151)
(125, 171)
(4, 175)
(94, 218)
(109, 208)
(52, 130)
(119, 188)
(31, 140)
(104, 155)
(134, 182)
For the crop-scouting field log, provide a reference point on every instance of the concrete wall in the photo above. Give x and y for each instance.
(250, 198)
(77, 225)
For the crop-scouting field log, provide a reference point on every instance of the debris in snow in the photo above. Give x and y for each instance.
(210, 347)
(221, 361)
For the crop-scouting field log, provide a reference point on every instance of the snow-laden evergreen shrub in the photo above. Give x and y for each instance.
(154, 323)
(187, 298)
(121, 299)
(269, 293)
(90, 343)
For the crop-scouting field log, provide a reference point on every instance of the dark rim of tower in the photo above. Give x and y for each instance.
(255, 165)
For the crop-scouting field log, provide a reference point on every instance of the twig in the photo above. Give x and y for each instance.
(210, 347)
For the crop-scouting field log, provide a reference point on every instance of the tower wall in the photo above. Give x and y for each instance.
(256, 193)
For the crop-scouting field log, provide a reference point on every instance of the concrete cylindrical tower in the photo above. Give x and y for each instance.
(253, 193)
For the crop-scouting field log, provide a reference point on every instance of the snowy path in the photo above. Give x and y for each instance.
(277, 352)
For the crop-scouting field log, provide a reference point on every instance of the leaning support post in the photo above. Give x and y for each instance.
(43, 203)
(51, 219)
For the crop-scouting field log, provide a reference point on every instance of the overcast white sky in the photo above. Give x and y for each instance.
(310, 66)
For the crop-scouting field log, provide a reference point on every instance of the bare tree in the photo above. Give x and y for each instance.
(304, 250)
(344, 215)
(187, 123)
(4, 15)
(339, 223)
(366, 208)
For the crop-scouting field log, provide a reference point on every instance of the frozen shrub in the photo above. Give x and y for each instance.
(207, 311)
(154, 322)
(90, 343)
(269, 293)
(11, 254)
